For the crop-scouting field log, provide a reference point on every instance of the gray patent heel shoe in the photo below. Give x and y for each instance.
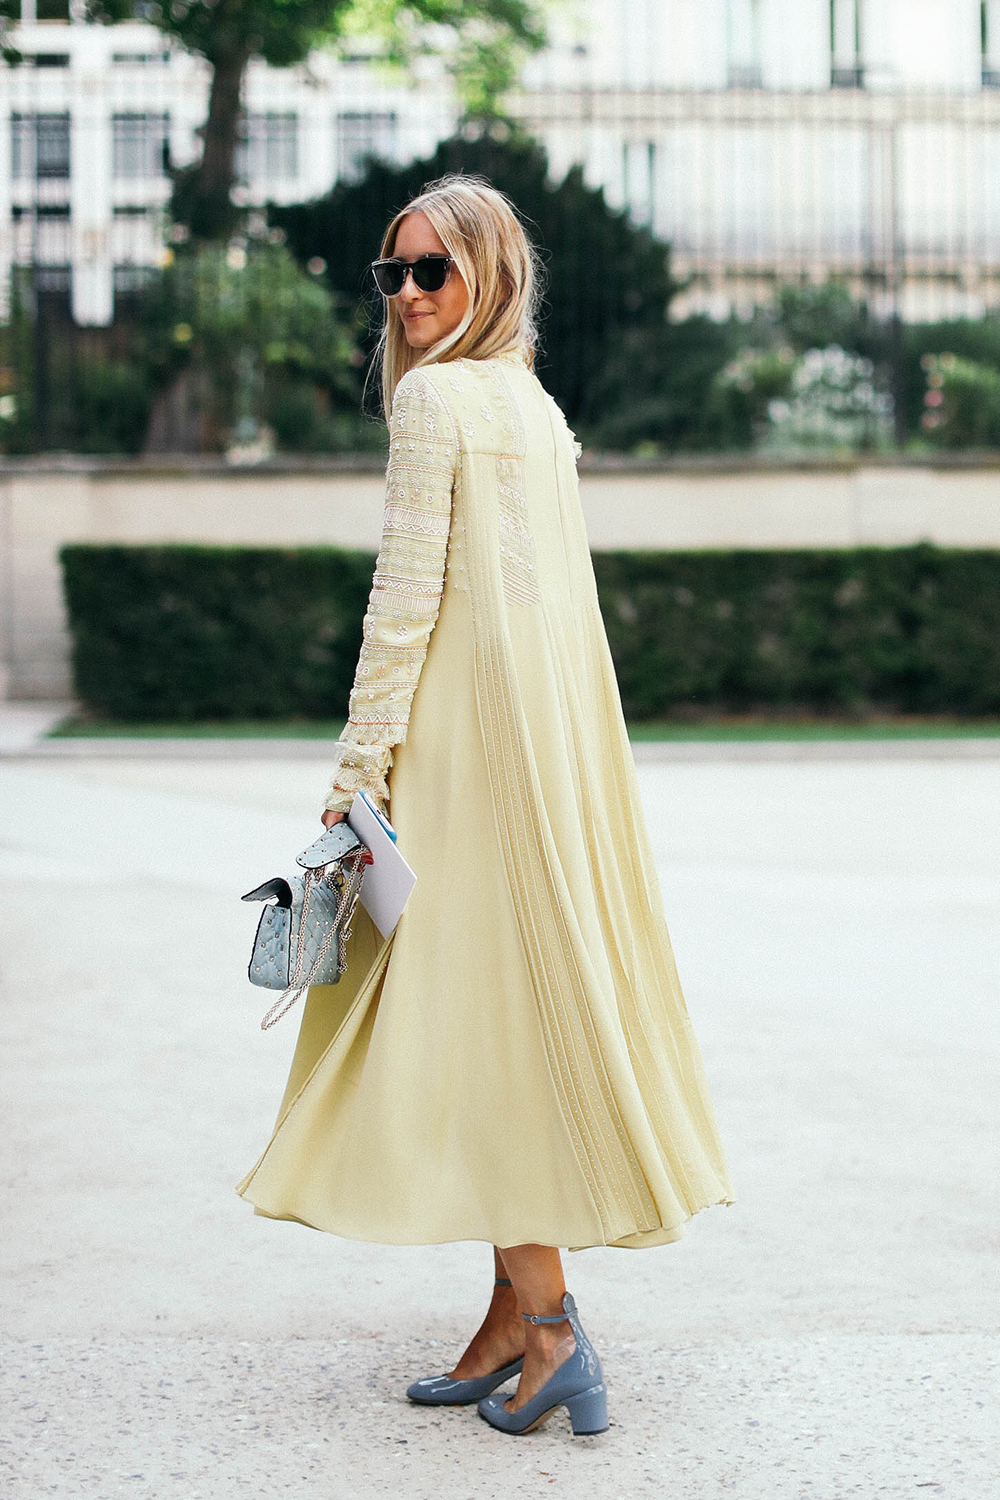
(442, 1390)
(578, 1384)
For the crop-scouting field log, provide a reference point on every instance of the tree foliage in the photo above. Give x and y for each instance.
(10, 14)
(622, 372)
(257, 343)
(227, 347)
(806, 316)
(977, 340)
(962, 402)
(482, 42)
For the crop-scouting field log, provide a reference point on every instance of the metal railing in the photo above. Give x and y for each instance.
(898, 194)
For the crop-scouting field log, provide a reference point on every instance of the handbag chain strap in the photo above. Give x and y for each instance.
(350, 889)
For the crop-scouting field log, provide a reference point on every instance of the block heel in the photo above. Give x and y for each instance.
(578, 1384)
(589, 1411)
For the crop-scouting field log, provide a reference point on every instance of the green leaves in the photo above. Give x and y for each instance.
(961, 403)
(239, 632)
(255, 336)
(855, 632)
(192, 633)
(480, 42)
(606, 341)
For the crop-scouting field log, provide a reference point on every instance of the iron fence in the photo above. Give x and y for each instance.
(767, 142)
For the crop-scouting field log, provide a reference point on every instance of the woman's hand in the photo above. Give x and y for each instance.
(330, 819)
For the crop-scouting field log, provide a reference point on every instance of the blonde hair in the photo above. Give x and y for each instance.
(482, 233)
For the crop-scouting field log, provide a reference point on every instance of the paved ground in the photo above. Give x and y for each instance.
(833, 1335)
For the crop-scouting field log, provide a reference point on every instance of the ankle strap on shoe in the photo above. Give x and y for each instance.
(503, 1281)
(536, 1318)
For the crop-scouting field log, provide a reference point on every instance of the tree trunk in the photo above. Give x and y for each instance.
(202, 198)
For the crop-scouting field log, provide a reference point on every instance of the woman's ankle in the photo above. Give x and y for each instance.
(548, 1342)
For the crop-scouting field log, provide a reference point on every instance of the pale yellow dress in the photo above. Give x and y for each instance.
(515, 1064)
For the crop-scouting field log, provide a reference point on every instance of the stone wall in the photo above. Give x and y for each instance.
(714, 504)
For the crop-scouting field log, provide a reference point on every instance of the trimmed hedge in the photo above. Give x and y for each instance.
(871, 629)
(182, 632)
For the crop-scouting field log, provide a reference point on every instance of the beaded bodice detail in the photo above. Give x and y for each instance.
(439, 412)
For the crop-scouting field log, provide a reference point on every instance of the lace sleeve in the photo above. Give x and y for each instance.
(406, 590)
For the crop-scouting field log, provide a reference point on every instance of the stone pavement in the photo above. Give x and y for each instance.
(832, 1335)
(24, 725)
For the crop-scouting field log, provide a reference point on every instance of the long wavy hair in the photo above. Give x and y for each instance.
(482, 233)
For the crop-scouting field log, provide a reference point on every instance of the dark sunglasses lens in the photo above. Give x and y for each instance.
(389, 277)
(430, 271)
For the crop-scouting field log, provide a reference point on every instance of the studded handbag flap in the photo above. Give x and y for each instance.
(304, 928)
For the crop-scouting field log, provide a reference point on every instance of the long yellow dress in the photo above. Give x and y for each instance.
(515, 1064)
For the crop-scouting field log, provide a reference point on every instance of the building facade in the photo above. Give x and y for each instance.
(765, 139)
(775, 139)
(95, 115)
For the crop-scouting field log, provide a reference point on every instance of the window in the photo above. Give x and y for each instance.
(140, 59)
(42, 235)
(39, 146)
(743, 43)
(361, 134)
(128, 278)
(990, 30)
(139, 145)
(22, 146)
(54, 279)
(639, 174)
(136, 235)
(268, 150)
(846, 66)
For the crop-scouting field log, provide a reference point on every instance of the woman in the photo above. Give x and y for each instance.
(515, 1064)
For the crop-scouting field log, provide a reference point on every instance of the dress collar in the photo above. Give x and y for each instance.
(509, 356)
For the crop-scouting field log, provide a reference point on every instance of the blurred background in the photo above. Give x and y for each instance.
(771, 230)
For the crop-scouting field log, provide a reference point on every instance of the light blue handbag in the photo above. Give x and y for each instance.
(304, 928)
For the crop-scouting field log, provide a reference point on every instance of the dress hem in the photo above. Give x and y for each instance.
(642, 1239)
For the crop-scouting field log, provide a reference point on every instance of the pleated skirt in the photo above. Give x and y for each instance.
(515, 1064)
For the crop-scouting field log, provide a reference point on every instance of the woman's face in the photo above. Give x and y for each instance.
(427, 316)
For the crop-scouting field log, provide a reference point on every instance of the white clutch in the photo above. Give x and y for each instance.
(388, 880)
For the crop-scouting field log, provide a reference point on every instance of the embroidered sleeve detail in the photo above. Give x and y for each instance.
(414, 522)
(406, 590)
(359, 768)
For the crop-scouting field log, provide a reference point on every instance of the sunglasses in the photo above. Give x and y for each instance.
(429, 272)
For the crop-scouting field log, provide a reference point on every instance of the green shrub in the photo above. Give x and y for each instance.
(194, 633)
(183, 632)
(910, 629)
(962, 402)
(258, 333)
(743, 392)
(623, 373)
(974, 339)
(112, 400)
(833, 404)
